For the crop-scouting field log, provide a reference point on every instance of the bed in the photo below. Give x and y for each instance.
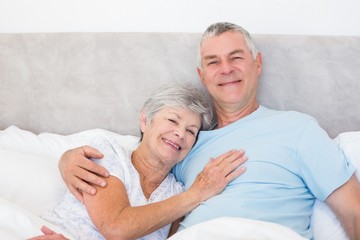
(59, 90)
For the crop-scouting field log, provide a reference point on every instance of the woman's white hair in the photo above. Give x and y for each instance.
(184, 96)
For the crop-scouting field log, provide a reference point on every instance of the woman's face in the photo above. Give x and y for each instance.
(170, 134)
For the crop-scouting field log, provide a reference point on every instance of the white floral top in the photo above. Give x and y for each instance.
(71, 215)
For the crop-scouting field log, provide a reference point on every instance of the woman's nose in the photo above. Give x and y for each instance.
(179, 132)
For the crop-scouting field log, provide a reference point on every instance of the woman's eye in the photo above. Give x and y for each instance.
(172, 120)
(191, 132)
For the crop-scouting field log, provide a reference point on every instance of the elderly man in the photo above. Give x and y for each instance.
(292, 161)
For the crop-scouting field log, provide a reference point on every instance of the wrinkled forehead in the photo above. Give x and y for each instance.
(223, 44)
(180, 112)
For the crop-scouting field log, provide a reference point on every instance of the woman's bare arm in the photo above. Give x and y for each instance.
(112, 214)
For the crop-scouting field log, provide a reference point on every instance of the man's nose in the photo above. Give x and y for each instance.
(226, 67)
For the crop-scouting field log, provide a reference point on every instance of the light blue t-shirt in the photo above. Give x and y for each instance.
(292, 161)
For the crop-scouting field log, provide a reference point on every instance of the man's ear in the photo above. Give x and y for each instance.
(143, 121)
(201, 75)
(259, 63)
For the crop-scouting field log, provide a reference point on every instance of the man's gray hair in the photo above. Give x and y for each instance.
(184, 96)
(219, 28)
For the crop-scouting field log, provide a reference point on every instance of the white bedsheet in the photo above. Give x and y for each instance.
(231, 228)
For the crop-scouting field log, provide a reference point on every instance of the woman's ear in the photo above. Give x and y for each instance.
(143, 121)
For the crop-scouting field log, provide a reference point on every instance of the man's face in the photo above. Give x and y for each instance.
(229, 71)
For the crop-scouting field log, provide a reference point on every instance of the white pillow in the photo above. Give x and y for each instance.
(31, 181)
(14, 138)
(349, 142)
(325, 224)
(29, 173)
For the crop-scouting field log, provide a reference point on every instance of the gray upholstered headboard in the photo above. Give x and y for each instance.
(69, 82)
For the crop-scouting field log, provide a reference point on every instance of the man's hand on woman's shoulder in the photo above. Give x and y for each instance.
(79, 173)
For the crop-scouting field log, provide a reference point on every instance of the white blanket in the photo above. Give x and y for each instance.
(16, 223)
(231, 228)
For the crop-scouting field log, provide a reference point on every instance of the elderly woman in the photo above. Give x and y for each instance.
(142, 198)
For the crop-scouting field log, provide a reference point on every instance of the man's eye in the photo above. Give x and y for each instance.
(236, 58)
(211, 63)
